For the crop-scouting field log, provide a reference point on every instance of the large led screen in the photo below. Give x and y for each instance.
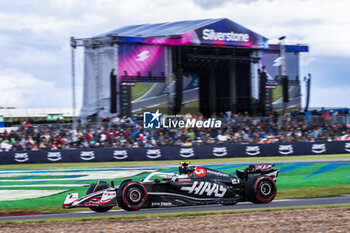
(141, 60)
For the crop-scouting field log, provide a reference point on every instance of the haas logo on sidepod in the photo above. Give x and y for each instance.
(206, 188)
(200, 171)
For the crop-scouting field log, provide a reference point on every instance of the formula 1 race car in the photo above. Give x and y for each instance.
(194, 185)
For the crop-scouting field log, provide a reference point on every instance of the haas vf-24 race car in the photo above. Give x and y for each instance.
(194, 185)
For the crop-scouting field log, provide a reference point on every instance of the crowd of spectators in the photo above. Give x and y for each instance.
(129, 132)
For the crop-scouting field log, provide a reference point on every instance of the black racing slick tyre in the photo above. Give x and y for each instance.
(131, 196)
(101, 185)
(260, 189)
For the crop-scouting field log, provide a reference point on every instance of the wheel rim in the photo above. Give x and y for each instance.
(135, 195)
(265, 189)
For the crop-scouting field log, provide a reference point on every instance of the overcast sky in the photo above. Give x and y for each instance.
(35, 54)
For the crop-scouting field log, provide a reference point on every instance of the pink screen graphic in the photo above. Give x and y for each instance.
(139, 60)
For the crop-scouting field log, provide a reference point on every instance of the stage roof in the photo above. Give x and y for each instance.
(161, 29)
(214, 32)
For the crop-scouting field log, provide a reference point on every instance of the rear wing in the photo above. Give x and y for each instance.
(263, 169)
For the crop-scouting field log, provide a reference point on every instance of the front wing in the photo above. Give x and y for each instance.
(102, 198)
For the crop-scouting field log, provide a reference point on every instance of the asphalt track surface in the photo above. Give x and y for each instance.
(240, 206)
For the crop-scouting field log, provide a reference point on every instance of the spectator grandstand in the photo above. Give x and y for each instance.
(128, 132)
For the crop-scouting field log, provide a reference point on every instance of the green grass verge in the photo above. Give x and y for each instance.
(313, 192)
(173, 162)
(310, 192)
(295, 180)
(163, 108)
(277, 93)
(190, 107)
(41, 210)
(173, 215)
(139, 90)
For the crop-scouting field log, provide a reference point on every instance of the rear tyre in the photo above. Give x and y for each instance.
(101, 185)
(131, 196)
(260, 189)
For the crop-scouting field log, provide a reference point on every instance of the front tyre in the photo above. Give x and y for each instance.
(92, 188)
(260, 189)
(131, 196)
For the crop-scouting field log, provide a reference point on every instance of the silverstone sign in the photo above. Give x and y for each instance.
(228, 33)
(210, 34)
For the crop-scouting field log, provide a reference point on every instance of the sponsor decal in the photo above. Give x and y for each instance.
(263, 166)
(236, 181)
(120, 154)
(70, 198)
(21, 157)
(347, 147)
(216, 173)
(186, 152)
(54, 156)
(87, 155)
(211, 34)
(107, 196)
(219, 151)
(184, 180)
(161, 204)
(252, 150)
(200, 171)
(318, 148)
(285, 149)
(153, 153)
(206, 188)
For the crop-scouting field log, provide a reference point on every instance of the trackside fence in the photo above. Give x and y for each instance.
(174, 152)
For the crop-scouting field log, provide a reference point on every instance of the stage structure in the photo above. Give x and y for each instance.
(215, 63)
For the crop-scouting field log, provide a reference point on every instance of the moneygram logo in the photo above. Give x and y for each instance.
(156, 120)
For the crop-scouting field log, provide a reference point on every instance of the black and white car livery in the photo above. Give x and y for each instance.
(194, 185)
